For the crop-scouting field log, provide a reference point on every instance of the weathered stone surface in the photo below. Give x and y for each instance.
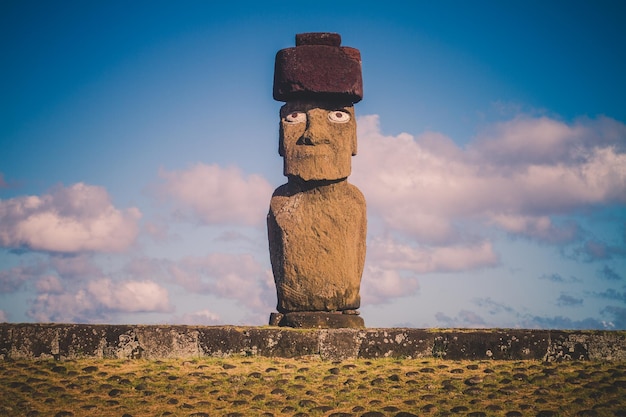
(317, 221)
(341, 344)
(321, 320)
(286, 344)
(314, 146)
(68, 341)
(381, 343)
(318, 68)
(566, 345)
(318, 38)
(275, 318)
(162, 342)
(317, 246)
(494, 344)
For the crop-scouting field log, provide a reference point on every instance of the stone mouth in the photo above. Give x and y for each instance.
(313, 151)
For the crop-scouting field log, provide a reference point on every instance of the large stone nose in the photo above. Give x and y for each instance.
(317, 132)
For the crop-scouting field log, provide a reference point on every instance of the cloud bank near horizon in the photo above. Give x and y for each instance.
(516, 175)
(70, 219)
(432, 207)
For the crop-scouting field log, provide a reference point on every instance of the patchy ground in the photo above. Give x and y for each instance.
(258, 386)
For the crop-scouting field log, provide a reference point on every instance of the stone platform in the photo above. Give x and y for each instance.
(317, 320)
(69, 341)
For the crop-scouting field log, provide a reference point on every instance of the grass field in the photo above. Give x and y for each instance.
(258, 386)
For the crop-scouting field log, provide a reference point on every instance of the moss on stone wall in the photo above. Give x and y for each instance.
(68, 341)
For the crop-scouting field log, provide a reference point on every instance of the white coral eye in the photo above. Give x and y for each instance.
(338, 116)
(296, 117)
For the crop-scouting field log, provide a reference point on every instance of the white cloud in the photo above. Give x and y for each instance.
(436, 201)
(528, 140)
(96, 301)
(69, 219)
(235, 276)
(158, 230)
(146, 268)
(515, 176)
(76, 266)
(3, 317)
(239, 278)
(66, 307)
(49, 275)
(380, 285)
(539, 227)
(130, 296)
(211, 194)
(49, 284)
(202, 317)
(391, 255)
(12, 279)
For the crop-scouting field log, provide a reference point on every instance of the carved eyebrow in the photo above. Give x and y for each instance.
(284, 111)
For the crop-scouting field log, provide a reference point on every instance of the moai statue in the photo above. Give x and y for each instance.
(317, 221)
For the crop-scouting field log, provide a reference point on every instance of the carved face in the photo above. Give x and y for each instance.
(317, 139)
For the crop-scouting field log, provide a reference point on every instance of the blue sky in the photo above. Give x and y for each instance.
(139, 153)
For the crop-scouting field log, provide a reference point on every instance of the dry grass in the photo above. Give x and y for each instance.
(257, 386)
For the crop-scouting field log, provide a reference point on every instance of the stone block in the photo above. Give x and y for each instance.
(318, 68)
(321, 320)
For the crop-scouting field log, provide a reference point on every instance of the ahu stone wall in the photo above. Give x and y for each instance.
(70, 341)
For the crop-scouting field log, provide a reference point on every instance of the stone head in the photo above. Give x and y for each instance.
(317, 139)
(320, 81)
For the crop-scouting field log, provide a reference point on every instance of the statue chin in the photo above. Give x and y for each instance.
(318, 167)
